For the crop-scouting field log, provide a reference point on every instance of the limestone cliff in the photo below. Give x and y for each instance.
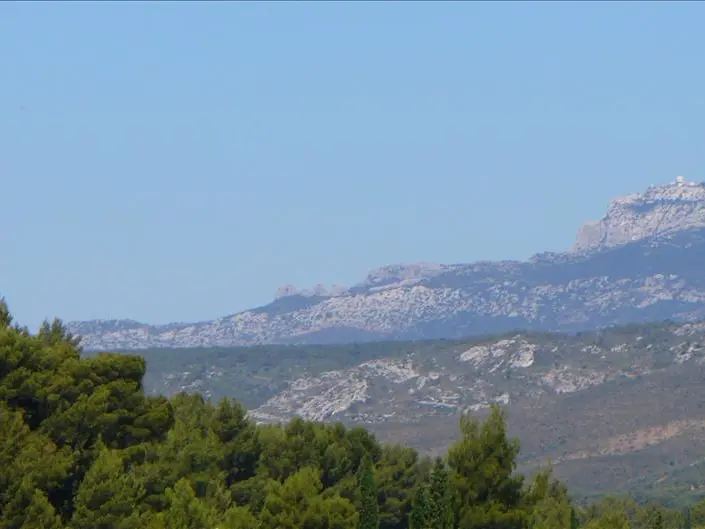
(658, 211)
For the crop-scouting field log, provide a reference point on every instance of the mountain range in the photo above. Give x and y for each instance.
(643, 261)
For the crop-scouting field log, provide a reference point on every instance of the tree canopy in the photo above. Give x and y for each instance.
(83, 447)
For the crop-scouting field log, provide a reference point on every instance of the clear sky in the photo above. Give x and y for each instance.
(180, 161)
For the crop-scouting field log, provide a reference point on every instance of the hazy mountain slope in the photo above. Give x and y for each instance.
(641, 262)
(619, 408)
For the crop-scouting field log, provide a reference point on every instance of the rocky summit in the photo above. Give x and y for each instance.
(642, 262)
(660, 210)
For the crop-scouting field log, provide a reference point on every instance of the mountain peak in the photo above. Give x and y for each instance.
(659, 210)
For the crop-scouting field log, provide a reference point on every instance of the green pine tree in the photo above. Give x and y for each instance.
(687, 524)
(369, 508)
(238, 517)
(41, 514)
(656, 519)
(482, 462)
(419, 516)
(108, 497)
(185, 510)
(29, 508)
(5, 316)
(440, 514)
(297, 503)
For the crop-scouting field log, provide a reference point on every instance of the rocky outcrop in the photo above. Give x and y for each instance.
(318, 291)
(401, 275)
(642, 262)
(658, 211)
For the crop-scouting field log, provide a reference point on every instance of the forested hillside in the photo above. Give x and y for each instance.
(637, 389)
(83, 447)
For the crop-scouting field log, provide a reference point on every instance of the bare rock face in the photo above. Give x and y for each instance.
(285, 290)
(319, 291)
(658, 211)
(641, 262)
(401, 275)
(460, 377)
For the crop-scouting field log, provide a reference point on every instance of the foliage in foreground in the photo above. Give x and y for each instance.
(82, 447)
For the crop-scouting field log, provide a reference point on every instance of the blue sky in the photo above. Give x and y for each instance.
(180, 161)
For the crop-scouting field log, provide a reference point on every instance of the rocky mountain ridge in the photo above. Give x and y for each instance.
(658, 211)
(639, 263)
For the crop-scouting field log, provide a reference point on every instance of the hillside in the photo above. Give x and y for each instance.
(622, 408)
(83, 447)
(640, 263)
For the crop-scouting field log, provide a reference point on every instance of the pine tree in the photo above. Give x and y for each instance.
(482, 464)
(55, 333)
(419, 516)
(107, 497)
(369, 508)
(41, 514)
(656, 521)
(687, 524)
(5, 316)
(185, 510)
(440, 515)
(29, 508)
(238, 517)
(609, 520)
(297, 503)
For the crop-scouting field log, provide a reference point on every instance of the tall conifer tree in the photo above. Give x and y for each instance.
(369, 509)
